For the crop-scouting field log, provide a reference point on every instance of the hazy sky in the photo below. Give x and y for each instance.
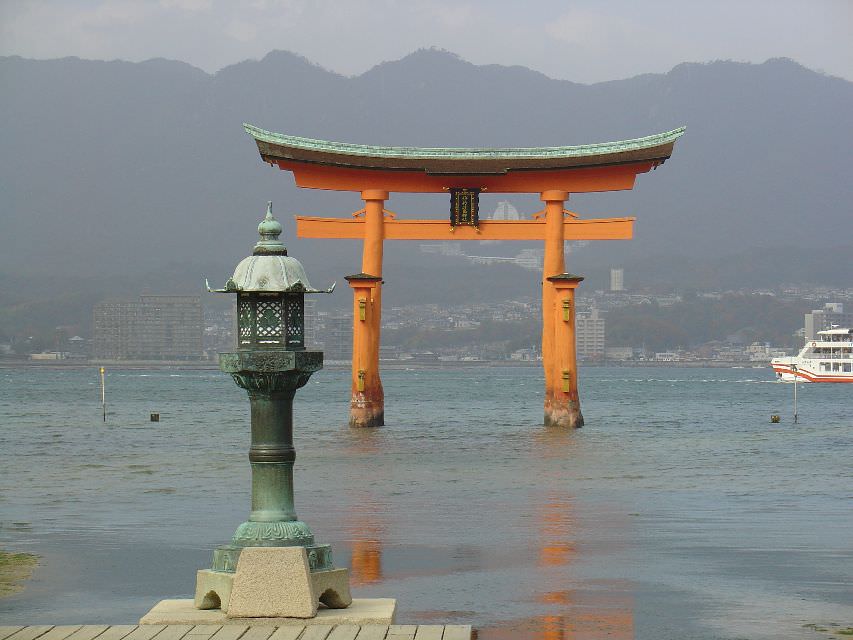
(580, 40)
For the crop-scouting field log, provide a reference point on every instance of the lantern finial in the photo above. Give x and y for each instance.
(269, 230)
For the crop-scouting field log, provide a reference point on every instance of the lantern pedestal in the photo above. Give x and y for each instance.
(273, 532)
(272, 582)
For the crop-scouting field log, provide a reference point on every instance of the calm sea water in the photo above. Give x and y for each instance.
(679, 511)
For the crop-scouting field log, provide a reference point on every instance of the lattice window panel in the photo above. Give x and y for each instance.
(295, 320)
(269, 322)
(244, 321)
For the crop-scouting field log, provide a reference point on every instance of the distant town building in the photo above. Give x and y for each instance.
(530, 259)
(619, 353)
(338, 338)
(311, 323)
(831, 314)
(48, 355)
(443, 248)
(617, 280)
(590, 335)
(667, 356)
(525, 355)
(151, 328)
(505, 211)
(77, 348)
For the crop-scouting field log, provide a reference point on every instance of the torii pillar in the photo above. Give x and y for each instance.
(367, 403)
(367, 400)
(562, 403)
(562, 407)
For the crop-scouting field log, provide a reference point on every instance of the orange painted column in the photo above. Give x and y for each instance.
(365, 352)
(554, 342)
(367, 407)
(565, 410)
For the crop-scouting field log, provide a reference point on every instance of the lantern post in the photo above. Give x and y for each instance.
(271, 363)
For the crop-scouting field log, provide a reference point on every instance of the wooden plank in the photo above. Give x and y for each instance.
(144, 632)
(88, 632)
(258, 633)
(316, 632)
(117, 632)
(173, 632)
(290, 632)
(402, 631)
(61, 632)
(31, 632)
(345, 632)
(229, 632)
(573, 229)
(429, 632)
(5, 632)
(372, 632)
(457, 632)
(202, 631)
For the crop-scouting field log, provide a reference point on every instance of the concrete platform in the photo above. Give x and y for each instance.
(362, 611)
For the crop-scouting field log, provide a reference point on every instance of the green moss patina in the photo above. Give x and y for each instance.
(14, 569)
(450, 153)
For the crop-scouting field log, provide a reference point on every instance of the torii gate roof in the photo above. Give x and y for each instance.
(345, 166)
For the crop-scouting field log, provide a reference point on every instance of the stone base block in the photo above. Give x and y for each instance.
(272, 582)
(361, 611)
(332, 588)
(213, 589)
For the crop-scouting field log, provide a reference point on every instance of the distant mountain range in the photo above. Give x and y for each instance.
(132, 173)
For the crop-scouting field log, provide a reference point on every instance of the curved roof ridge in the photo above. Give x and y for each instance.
(346, 148)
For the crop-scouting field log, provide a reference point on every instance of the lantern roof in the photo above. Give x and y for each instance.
(269, 269)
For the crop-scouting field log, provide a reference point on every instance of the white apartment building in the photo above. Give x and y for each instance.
(590, 335)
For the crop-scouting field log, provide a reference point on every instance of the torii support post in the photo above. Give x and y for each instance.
(564, 409)
(367, 404)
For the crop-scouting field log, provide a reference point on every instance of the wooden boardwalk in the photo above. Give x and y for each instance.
(237, 632)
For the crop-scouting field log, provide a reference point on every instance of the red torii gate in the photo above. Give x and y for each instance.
(553, 172)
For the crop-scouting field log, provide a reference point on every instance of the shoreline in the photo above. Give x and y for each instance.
(391, 365)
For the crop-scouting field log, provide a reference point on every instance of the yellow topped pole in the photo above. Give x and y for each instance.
(103, 395)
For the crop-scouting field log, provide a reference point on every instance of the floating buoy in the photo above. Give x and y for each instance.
(155, 417)
(774, 419)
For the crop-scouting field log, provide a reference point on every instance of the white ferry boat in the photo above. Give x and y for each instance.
(829, 358)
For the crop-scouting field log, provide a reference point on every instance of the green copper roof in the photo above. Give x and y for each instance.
(438, 153)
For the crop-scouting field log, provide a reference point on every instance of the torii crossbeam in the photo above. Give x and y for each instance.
(553, 172)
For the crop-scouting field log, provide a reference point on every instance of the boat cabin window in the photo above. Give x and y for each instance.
(847, 366)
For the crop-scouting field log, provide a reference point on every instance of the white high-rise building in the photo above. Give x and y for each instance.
(617, 279)
(589, 335)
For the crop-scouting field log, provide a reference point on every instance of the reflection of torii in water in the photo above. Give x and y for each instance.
(553, 172)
